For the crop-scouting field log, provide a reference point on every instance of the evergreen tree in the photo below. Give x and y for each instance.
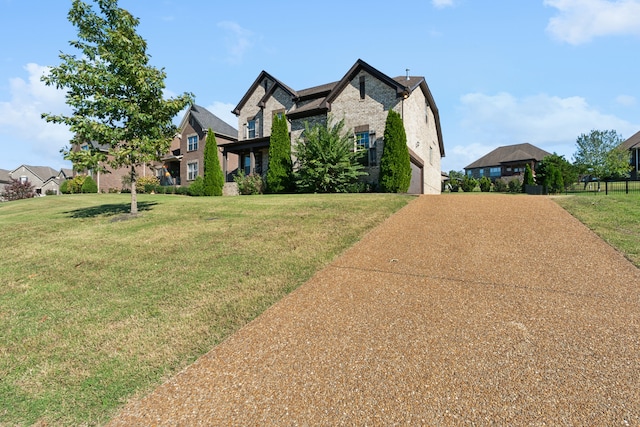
(528, 177)
(395, 163)
(280, 172)
(213, 174)
(553, 170)
(115, 95)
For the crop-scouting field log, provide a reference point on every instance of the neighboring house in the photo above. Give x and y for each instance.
(185, 162)
(506, 162)
(5, 178)
(363, 98)
(633, 145)
(43, 178)
(113, 180)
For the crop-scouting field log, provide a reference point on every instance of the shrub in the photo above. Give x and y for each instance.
(213, 175)
(50, 193)
(196, 188)
(514, 186)
(249, 184)
(147, 184)
(17, 190)
(468, 184)
(280, 172)
(485, 184)
(500, 186)
(75, 184)
(89, 185)
(64, 187)
(395, 163)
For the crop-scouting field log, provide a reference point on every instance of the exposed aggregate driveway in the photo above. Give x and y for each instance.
(458, 310)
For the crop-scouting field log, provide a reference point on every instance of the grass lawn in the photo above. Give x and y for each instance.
(615, 218)
(96, 308)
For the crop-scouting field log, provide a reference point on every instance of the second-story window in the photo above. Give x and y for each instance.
(251, 129)
(192, 142)
(362, 88)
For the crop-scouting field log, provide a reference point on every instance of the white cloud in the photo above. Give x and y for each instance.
(440, 4)
(223, 111)
(238, 40)
(548, 122)
(581, 20)
(24, 134)
(626, 100)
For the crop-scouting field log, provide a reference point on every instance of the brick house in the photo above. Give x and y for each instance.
(185, 162)
(506, 162)
(362, 98)
(633, 145)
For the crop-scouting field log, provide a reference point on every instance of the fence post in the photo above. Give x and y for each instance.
(626, 186)
(606, 188)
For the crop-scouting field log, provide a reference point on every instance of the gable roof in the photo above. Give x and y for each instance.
(256, 83)
(42, 172)
(509, 154)
(207, 120)
(632, 143)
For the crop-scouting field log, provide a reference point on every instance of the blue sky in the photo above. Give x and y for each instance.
(501, 72)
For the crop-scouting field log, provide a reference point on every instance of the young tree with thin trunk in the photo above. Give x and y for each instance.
(115, 95)
(395, 163)
(213, 175)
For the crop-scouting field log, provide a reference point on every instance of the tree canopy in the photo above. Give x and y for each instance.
(555, 173)
(598, 155)
(395, 163)
(116, 96)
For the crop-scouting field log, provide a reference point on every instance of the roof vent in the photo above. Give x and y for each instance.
(407, 74)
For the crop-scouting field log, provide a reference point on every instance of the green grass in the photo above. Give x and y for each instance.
(96, 308)
(615, 218)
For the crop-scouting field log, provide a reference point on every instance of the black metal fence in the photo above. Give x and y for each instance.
(605, 187)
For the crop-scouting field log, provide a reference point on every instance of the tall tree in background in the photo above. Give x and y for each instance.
(555, 173)
(115, 95)
(528, 178)
(280, 172)
(213, 175)
(598, 155)
(395, 163)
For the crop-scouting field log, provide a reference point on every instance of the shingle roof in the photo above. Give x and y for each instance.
(42, 172)
(509, 154)
(633, 142)
(208, 120)
(4, 176)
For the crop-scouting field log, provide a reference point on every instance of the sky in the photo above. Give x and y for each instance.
(502, 72)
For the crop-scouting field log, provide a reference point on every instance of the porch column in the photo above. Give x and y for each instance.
(224, 164)
(252, 162)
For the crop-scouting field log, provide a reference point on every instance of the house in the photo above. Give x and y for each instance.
(362, 97)
(43, 178)
(633, 145)
(5, 178)
(506, 162)
(185, 162)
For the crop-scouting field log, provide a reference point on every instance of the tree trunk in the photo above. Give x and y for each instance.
(134, 195)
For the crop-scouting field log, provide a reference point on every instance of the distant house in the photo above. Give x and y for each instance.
(43, 178)
(506, 162)
(633, 145)
(5, 178)
(363, 98)
(185, 162)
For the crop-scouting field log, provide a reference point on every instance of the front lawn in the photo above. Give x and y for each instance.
(96, 308)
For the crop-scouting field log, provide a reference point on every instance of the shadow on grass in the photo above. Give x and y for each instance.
(109, 210)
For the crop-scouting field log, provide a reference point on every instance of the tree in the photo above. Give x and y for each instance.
(555, 173)
(468, 184)
(327, 161)
(115, 95)
(485, 184)
(280, 172)
(528, 177)
(596, 155)
(395, 164)
(17, 190)
(455, 178)
(213, 175)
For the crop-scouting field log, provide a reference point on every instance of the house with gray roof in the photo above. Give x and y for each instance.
(506, 162)
(362, 98)
(185, 162)
(633, 145)
(43, 178)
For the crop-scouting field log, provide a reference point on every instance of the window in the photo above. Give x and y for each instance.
(84, 147)
(23, 179)
(362, 88)
(192, 143)
(431, 155)
(495, 172)
(279, 113)
(363, 142)
(251, 129)
(192, 171)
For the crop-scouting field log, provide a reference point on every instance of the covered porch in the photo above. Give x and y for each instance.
(252, 157)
